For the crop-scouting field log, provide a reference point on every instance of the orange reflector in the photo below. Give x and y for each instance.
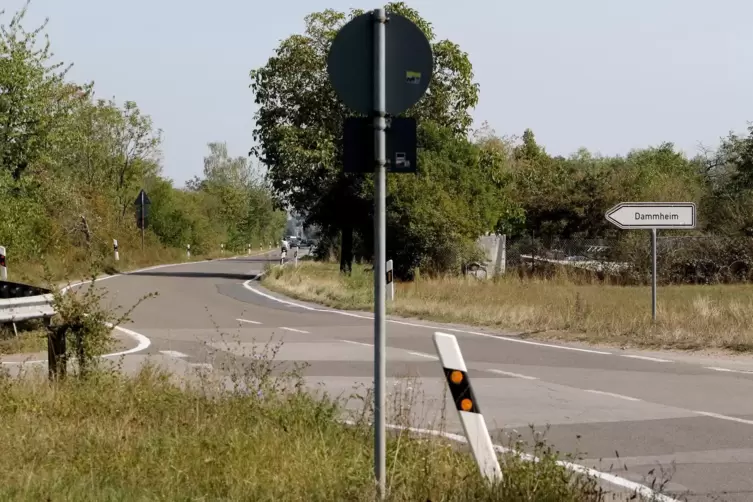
(466, 404)
(456, 377)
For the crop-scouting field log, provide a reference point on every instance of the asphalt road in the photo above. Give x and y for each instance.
(635, 414)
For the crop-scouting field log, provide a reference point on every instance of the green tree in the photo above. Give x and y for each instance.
(299, 123)
(32, 95)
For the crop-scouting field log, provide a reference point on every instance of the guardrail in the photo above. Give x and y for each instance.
(21, 302)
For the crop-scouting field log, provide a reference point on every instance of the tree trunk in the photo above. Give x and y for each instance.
(346, 250)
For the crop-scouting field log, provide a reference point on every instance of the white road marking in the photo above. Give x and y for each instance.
(142, 343)
(612, 394)
(174, 353)
(727, 370)
(632, 486)
(511, 374)
(248, 321)
(529, 342)
(201, 365)
(724, 417)
(646, 358)
(421, 354)
(358, 343)
(293, 330)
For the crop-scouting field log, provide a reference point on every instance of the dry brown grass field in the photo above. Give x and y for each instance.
(689, 317)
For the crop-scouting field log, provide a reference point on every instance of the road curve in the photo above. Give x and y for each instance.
(629, 413)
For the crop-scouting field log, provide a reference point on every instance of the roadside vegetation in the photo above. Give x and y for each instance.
(561, 307)
(72, 165)
(115, 437)
(471, 181)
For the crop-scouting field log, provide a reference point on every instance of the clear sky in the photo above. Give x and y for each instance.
(609, 75)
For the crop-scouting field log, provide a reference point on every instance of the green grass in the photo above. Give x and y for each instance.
(689, 317)
(115, 438)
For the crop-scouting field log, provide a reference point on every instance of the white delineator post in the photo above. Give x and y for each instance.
(188, 250)
(115, 249)
(473, 422)
(222, 248)
(390, 281)
(249, 249)
(3, 265)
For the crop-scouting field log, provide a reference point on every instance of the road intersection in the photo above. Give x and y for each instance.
(631, 413)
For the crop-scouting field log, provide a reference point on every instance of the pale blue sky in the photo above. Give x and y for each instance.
(609, 75)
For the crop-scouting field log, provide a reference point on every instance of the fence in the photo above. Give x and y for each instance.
(702, 259)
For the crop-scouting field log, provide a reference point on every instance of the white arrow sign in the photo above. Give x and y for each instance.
(648, 215)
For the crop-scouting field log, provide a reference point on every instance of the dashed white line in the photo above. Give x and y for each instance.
(646, 358)
(727, 370)
(293, 330)
(174, 353)
(248, 321)
(358, 343)
(511, 374)
(724, 417)
(618, 396)
(421, 354)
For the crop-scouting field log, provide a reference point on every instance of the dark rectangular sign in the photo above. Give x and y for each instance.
(358, 145)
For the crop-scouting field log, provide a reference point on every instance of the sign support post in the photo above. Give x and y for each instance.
(380, 67)
(380, 248)
(653, 274)
(653, 216)
(143, 222)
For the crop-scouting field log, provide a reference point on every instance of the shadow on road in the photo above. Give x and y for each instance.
(255, 260)
(196, 275)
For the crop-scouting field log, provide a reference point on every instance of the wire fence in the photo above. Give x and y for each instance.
(701, 259)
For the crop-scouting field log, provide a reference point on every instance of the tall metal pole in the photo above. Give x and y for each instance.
(653, 274)
(380, 248)
(143, 223)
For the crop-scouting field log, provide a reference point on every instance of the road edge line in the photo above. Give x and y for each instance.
(613, 479)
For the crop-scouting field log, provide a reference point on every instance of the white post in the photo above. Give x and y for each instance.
(465, 401)
(188, 250)
(3, 265)
(115, 249)
(390, 281)
(249, 249)
(222, 248)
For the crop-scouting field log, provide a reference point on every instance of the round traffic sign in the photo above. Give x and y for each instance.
(410, 62)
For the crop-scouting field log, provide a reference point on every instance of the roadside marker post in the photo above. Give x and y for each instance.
(465, 401)
(3, 265)
(653, 216)
(390, 282)
(115, 249)
(222, 248)
(380, 66)
(188, 250)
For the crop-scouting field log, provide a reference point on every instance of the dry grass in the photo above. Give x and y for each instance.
(27, 341)
(689, 317)
(111, 437)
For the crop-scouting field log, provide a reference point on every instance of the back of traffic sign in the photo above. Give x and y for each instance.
(409, 67)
